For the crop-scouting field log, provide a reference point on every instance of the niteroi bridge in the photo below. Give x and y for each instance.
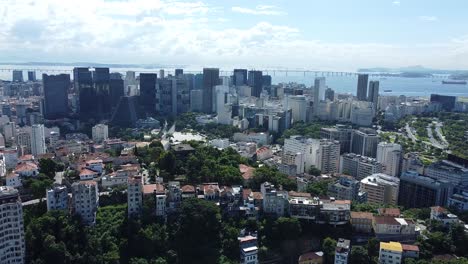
(272, 72)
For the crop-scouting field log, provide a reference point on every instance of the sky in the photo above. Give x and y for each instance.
(293, 34)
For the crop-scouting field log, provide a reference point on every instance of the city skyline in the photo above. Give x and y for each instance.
(252, 33)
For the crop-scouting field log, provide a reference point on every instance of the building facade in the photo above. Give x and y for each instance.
(12, 244)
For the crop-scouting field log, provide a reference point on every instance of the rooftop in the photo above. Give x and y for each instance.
(406, 247)
(362, 215)
(391, 246)
(310, 256)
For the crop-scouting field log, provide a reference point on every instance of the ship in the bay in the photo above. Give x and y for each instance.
(463, 82)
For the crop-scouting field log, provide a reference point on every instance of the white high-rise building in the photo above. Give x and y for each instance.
(319, 92)
(12, 245)
(307, 146)
(328, 156)
(57, 198)
(85, 200)
(9, 131)
(298, 106)
(381, 188)
(134, 195)
(223, 106)
(100, 132)
(38, 145)
(390, 155)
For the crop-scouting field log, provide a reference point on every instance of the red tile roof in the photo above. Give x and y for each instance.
(385, 220)
(438, 209)
(389, 211)
(188, 189)
(26, 166)
(246, 193)
(27, 157)
(299, 194)
(153, 188)
(310, 256)
(257, 195)
(87, 172)
(410, 247)
(362, 215)
(247, 171)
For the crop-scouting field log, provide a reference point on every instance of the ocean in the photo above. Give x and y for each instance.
(341, 84)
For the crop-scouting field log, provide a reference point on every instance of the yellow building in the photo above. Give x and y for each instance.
(390, 253)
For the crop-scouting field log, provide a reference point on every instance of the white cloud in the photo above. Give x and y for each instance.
(267, 10)
(397, 3)
(188, 33)
(428, 18)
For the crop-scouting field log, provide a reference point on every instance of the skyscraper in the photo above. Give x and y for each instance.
(147, 99)
(17, 76)
(12, 235)
(172, 96)
(83, 85)
(255, 80)
(85, 200)
(240, 77)
(117, 90)
(374, 93)
(362, 87)
(37, 140)
(179, 72)
(330, 94)
(319, 92)
(125, 113)
(101, 78)
(364, 142)
(55, 95)
(210, 80)
(31, 76)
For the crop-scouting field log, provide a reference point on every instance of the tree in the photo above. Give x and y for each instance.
(358, 255)
(197, 232)
(373, 246)
(328, 248)
(285, 228)
(319, 188)
(49, 167)
(314, 171)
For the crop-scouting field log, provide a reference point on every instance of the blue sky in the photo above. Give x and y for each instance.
(309, 34)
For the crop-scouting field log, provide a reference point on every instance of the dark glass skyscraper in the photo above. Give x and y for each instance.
(147, 99)
(116, 85)
(178, 72)
(255, 81)
(210, 80)
(31, 76)
(374, 93)
(240, 77)
(83, 85)
(55, 95)
(101, 78)
(362, 87)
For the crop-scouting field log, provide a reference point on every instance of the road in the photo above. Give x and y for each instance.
(433, 141)
(410, 134)
(438, 129)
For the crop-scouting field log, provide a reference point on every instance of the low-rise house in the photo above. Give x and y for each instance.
(388, 228)
(247, 173)
(87, 174)
(311, 258)
(362, 222)
(390, 253)
(174, 195)
(95, 165)
(334, 212)
(188, 191)
(410, 251)
(342, 251)
(264, 153)
(393, 212)
(274, 201)
(248, 250)
(211, 191)
(441, 214)
(13, 180)
(27, 169)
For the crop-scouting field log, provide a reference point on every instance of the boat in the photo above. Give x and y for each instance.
(454, 82)
(387, 91)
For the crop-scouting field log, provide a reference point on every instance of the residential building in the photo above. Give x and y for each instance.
(38, 145)
(57, 198)
(410, 251)
(260, 138)
(439, 213)
(390, 253)
(85, 198)
(12, 244)
(449, 171)
(248, 249)
(334, 212)
(134, 195)
(274, 201)
(329, 94)
(418, 191)
(294, 161)
(100, 132)
(345, 188)
(13, 180)
(328, 156)
(23, 141)
(342, 251)
(306, 146)
(311, 258)
(27, 169)
(55, 95)
(381, 188)
(210, 80)
(340, 133)
(158, 191)
(359, 166)
(364, 142)
(390, 156)
(362, 87)
(362, 222)
(459, 201)
(388, 228)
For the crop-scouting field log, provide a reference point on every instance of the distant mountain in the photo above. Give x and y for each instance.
(413, 69)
